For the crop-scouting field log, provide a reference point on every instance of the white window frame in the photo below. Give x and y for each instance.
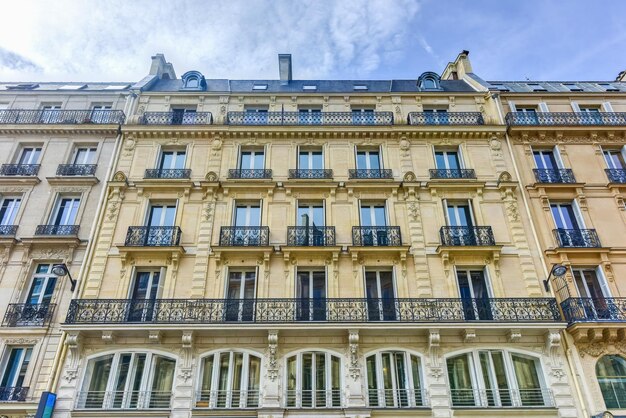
(468, 270)
(328, 381)
(247, 204)
(13, 209)
(371, 204)
(254, 151)
(57, 207)
(408, 374)
(92, 151)
(164, 204)
(5, 363)
(309, 152)
(310, 204)
(367, 158)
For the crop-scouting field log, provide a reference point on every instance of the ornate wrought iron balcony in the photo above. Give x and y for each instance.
(337, 310)
(594, 310)
(447, 118)
(57, 230)
(362, 173)
(244, 236)
(585, 238)
(28, 314)
(314, 173)
(616, 175)
(8, 230)
(311, 236)
(13, 393)
(453, 236)
(376, 236)
(19, 169)
(452, 173)
(176, 118)
(76, 169)
(60, 117)
(502, 398)
(554, 175)
(566, 118)
(123, 400)
(301, 118)
(153, 236)
(171, 173)
(240, 173)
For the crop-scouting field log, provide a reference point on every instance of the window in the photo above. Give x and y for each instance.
(310, 214)
(256, 115)
(50, 113)
(42, 286)
(500, 87)
(84, 155)
(29, 155)
(368, 159)
(429, 81)
(394, 380)
(8, 210)
(193, 80)
(614, 159)
(359, 87)
(313, 381)
(252, 159)
(311, 294)
(259, 87)
(14, 374)
(310, 159)
(65, 211)
(459, 214)
(128, 381)
(374, 229)
(545, 159)
(536, 87)
(240, 296)
(309, 87)
(475, 294)
(572, 86)
(565, 216)
(436, 116)
(447, 160)
(145, 290)
(611, 375)
(172, 160)
(495, 378)
(101, 113)
(593, 290)
(183, 115)
(72, 87)
(381, 294)
(310, 116)
(229, 379)
(608, 87)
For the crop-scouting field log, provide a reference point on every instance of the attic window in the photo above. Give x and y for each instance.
(193, 80)
(501, 87)
(429, 81)
(309, 87)
(572, 87)
(608, 87)
(22, 87)
(72, 87)
(359, 87)
(536, 87)
(259, 87)
(117, 87)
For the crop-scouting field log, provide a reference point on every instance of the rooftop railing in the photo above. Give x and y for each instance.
(61, 117)
(566, 118)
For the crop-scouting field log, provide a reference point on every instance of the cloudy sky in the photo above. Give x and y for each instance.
(112, 40)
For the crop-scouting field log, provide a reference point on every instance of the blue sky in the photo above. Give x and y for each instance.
(112, 40)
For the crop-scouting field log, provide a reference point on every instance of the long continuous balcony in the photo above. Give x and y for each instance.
(502, 398)
(176, 118)
(363, 173)
(54, 116)
(397, 398)
(577, 238)
(58, 230)
(446, 118)
(169, 173)
(594, 309)
(153, 236)
(376, 236)
(8, 230)
(566, 118)
(554, 175)
(119, 399)
(244, 236)
(309, 118)
(616, 175)
(76, 169)
(250, 173)
(453, 236)
(13, 393)
(452, 173)
(28, 314)
(326, 310)
(311, 236)
(314, 173)
(19, 169)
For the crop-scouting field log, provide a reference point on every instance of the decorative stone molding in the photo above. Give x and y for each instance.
(553, 343)
(594, 349)
(353, 346)
(155, 336)
(272, 354)
(514, 335)
(469, 335)
(108, 337)
(73, 343)
(21, 341)
(436, 373)
(434, 340)
(186, 355)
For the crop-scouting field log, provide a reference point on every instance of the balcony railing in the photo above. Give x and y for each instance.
(244, 236)
(583, 238)
(376, 236)
(616, 175)
(19, 169)
(397, 398)
(314, 173)
(594, 309)
(566, 118)
(329, 398)
(452, 173)
(310, 236)
(226, 399)
(176, 118)
(324, 310)
(28, 314)
(446, 118)
(249, 173)
(63, 230)
(76, 169)
(153, 236)
(13, 393)
(554, 175)
(362, 173)
(454, 236)
(53, 116)
(8, 230)
(170, 173)
(310, 118)
(123, 400)
(502, 398)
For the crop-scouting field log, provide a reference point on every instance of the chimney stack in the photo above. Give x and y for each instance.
(284, 68)
(621, 76)
(162, 68)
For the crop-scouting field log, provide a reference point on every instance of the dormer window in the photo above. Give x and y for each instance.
(193, 80)
(573, 87)
(536, 87)
(429, 81)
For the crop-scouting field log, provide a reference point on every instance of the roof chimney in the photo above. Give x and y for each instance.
(621, 76)
(162, 68)
(284, 68)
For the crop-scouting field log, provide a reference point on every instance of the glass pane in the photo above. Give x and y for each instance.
(47, 296)
(100, 371)
(254, 379)
(320, 379)
(361, 160)
(374, 161)
(207, 376)
(250, 278)
(379, 214)
(291, 381)
(527, 380)
(417, 382)
(234, 285)
(366, 215)
(167, 160)
(452, 159)
(335, 378)
(371, 285)
(440, 160)
(223, 379)
(12, 367)
(142, 281)
(460, 381)
(246, 160)
(162, 382)
(371, 381)
(307, 379)
(611, 374)
(501, 382)
(387, 379)
(386, 285)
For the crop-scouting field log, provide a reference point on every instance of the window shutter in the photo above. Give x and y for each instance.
(557, 156)
(604, 285)
(543, 107)
(578, 214)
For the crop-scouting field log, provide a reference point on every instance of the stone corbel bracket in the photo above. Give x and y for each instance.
(353, 348)
(272, 354)
(187, 342)
(74, 345)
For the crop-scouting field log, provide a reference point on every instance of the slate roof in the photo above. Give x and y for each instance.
(558, 86)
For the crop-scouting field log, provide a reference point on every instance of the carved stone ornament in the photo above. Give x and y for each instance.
(73, 343)
(119, 176)
(211, 176)
(434, 340)
(557, 373)
(553, 343)
(594, 349)
(409, 176)
(436, 373)
(185, 372)
(272, 354)
(353, 346)
(505, 176)
(21, 341)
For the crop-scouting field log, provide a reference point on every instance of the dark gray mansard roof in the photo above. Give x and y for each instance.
(557, 86)
(64, 87)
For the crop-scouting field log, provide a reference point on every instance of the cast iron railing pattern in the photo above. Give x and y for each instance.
(310, 118)
(502, 398)
(19, 169)
(28, 314)
(554, 175)
(397, 398)
(616, 175)
(176, 118)
(309, 398)
(244, 236)
(376, 236)
(566, 118)
(311, 236)
(153, 236)
(583, 238)
(249, 173)
(312, 173)
(594, 309)
(446, 118)
(54, 116)
(335, 310)
(13, 393)
(452, 173)
(76, 169)
(167, 173)
(453, 236)
(56, 229)
(363, 173)
(8, 230)
(120, 399)
(221, 399)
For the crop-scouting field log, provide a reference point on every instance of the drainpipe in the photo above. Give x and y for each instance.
(568, 350)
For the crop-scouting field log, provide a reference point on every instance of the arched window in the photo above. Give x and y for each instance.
(429, 81)
(313, 381)
(193, 80)
(394, 380)
(496, 378)
(229, 379)
(611, 375)
(128, 381)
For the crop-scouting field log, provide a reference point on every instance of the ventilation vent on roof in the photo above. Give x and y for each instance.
(259, 87)
(309, 87)
(72, 87)
(359, 87)
(22, 87)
